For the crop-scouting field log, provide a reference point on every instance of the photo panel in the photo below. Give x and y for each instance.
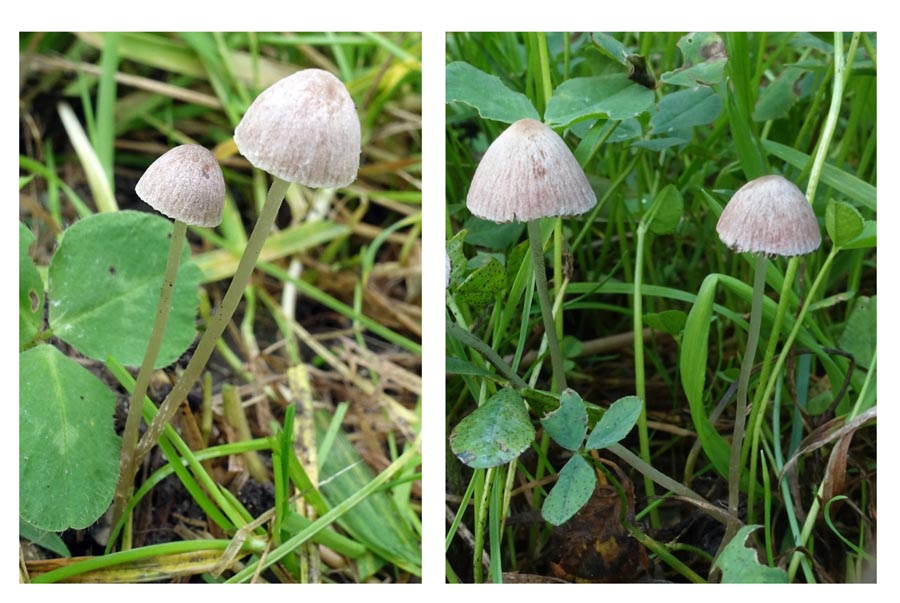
(220, 296)
(661, 307)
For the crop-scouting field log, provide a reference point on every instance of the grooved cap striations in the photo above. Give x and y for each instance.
(303, 128)
(185, 184)
(526, 174)
(769, 215)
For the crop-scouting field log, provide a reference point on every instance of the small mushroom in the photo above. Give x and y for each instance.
(768, 216)
(185, 184)
(529, 173)
(304, 129)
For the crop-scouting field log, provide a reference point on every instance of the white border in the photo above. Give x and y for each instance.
(434, 19)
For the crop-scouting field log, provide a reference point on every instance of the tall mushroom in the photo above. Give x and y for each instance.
(767, 216)
(304, 129)
(185, 184)
(529, 173)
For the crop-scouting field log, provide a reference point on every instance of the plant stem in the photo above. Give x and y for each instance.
(154, 551)
(219, 320)
(544, 57)
(639, 377)
(559, 281)
(663, 552)
(671, 485)
(734, 464)
(866, 384)
(540, 283)
(494, 512)
(127, 465)
(834, 111)
(467, 338)
(806, 531)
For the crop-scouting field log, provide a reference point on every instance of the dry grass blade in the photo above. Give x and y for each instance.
(827, 433)
(55, 64)
(836, 471)
(391, 375)
(398, 411)
(175, 56)
(305, 448)
(154, 569)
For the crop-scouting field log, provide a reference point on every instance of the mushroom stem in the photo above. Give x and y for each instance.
(132, 423)
(540, 282)
(751, 443)
(219, 321)
(737, 439)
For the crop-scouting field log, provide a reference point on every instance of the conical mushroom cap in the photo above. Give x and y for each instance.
(529, 173)
(303, 128)
(185, 184)
(769, 215)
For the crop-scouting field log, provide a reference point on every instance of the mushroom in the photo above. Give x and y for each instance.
(767, 216)
(318, 134)
(770, 216)
(185, 184)
(529, 173)
(526, 174)
(303, 129)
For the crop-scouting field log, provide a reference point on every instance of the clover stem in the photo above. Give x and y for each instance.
(132, 423)
(677, 488)
(737, 439)
(540, 282)
(467, 338)
(220, 319)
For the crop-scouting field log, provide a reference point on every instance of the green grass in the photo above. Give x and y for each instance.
(336, 297)
(624, 267)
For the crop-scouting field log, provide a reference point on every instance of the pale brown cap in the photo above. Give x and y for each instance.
(185, 184)
(526, 174)
(303, 128)
(769, 215)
